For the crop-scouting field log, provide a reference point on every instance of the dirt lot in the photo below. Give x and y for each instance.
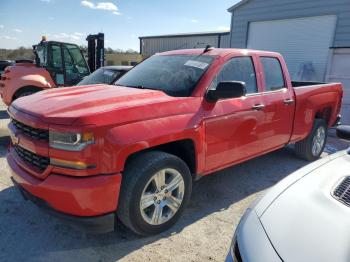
(203, 233)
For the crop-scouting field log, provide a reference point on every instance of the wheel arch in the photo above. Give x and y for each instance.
(184, 149)
(24, 89)
(324, 113)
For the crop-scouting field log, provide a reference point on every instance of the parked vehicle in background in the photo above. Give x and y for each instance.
(105, 75)
(133, 150)
(4, 64)
(56, 64)
(313, 201)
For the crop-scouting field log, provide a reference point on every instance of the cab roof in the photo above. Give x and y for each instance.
(221, 52)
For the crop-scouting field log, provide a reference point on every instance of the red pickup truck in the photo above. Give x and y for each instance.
(132, 150)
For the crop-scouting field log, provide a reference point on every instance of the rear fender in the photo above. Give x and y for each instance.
(322, 105)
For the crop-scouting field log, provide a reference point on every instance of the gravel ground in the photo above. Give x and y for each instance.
(202, 234)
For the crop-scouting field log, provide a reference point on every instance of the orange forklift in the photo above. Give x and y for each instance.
(56, 64)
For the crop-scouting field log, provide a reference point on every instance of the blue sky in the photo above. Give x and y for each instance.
(23, 22)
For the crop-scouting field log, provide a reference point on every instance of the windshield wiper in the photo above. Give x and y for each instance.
(142, 87)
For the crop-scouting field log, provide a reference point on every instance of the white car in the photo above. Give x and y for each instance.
(305, 217)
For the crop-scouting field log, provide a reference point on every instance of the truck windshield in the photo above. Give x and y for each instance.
(101, 76)
(175, 75)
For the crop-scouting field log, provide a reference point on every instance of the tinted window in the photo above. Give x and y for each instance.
(274, 79)
(101, 76)
(56, 56)
(238, 69)
(78, 59)
(176, 75)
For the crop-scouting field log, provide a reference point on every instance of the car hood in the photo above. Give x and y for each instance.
(304, 222)
(101, 104)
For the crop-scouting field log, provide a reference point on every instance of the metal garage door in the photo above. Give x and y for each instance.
(340, 72)
(304, 42)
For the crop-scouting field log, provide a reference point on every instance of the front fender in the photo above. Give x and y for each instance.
(40, 78)
(123, 141)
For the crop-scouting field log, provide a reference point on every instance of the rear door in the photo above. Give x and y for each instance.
(278, 102)
(233, 126)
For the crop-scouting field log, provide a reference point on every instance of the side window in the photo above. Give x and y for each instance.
(238, 69)
(274, 79)
(77, 58)
(56, 57)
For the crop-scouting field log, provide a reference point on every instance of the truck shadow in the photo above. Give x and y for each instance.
(4, 114)
(30, 234)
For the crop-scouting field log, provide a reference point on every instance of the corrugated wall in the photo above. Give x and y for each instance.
(225, 41)
(263, 10)
(154, 45)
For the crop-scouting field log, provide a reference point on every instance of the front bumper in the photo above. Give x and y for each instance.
(337, 121)
(88, 202)
(251, 242)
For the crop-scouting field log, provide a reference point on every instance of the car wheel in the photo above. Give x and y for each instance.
(313, 145)
(26, 92)
(155, 189)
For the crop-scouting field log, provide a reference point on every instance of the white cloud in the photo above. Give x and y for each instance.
(6, 37)
(71, 37)
(223, 28)
(88, 4)
(2, 26)
(194, 21)
(106, 6)
(17, 30)
(46, 1)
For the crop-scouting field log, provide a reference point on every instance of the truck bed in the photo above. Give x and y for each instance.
(315, 100)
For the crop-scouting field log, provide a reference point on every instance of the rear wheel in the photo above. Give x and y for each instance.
(155, 189)
(313, 145)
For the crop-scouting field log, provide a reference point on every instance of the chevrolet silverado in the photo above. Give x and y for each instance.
(131, 150)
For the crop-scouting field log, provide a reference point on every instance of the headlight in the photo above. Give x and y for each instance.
(70, 141)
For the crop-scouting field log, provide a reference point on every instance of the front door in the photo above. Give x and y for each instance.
(55, 64)
(75, 66)
(233, 126)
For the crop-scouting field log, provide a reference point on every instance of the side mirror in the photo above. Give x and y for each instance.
(227, 89)
(343, 132)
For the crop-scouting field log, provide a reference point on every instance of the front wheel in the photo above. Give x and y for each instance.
(26, 91)
(313, 145)
(155, 189)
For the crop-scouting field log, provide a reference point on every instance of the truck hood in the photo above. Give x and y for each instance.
(101, 104)
(305, 222)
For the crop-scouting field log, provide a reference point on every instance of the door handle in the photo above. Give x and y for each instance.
(258, 107)
(288, 101)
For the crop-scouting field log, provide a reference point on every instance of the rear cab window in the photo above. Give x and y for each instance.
(274, 77)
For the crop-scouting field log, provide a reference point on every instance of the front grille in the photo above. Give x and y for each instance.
(36, 133)
(40, 162)
(342, 191)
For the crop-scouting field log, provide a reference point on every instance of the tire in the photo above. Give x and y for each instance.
(138, 181)
(304, 148)
(26, 92)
